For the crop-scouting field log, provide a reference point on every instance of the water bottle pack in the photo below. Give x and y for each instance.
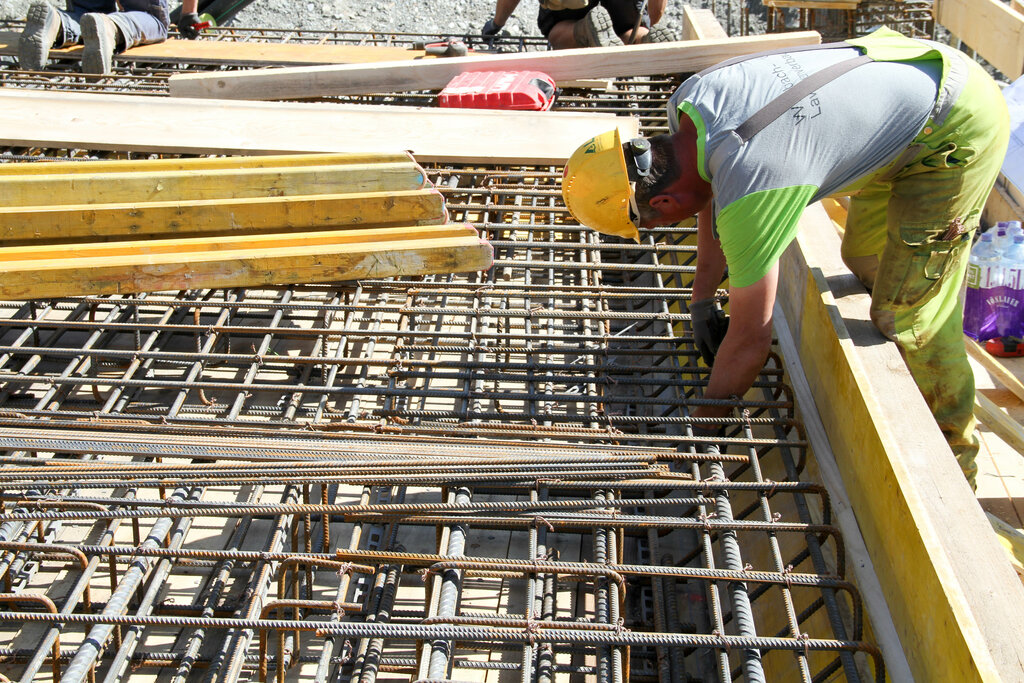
(995, 284)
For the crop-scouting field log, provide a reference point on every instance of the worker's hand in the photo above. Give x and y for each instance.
(709, 327)
(491, 28)
(186, 25)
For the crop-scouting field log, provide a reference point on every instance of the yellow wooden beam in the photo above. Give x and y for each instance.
(192, 184)
(59, 255)
(195, 164)
(250, 266)
(954, 599)
(211, 216)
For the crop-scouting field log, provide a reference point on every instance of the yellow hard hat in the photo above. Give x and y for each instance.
(596, 187)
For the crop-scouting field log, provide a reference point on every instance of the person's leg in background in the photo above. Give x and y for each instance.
(140, 22)
(589, 26)
(47, 27)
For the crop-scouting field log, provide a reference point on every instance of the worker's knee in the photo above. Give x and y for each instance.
(885, 321)
(864, 267)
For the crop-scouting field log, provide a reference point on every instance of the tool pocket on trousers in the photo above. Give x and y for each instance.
(930, 259)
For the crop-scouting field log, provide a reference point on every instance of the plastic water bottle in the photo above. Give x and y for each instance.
(1008, 300)
(1013, 228)
(983, 277)
(1000, 238)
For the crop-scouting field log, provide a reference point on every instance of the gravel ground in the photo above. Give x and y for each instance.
(441, 17)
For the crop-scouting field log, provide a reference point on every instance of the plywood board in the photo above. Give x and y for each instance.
(208, 51)
(354, 79)
(153, 124)
(989, 27)
(954, 598)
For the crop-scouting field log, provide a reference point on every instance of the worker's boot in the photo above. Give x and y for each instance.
(41, 28)
(595, 29)
(99, 39)
(659, 34)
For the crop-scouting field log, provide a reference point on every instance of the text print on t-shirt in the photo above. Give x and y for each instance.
(790, 72)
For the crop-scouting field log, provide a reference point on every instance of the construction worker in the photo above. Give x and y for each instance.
(913, 130)
(102, 27)
(590, 23)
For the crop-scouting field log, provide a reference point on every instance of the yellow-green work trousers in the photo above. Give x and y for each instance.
(908, 237)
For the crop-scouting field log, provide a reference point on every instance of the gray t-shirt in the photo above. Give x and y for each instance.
(834, 139)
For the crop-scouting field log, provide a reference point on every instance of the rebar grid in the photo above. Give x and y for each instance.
(433, 478)
(438, 478)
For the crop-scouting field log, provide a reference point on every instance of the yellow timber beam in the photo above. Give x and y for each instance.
(220, 216)
(197, 164)
(252, 261)
(108, 188)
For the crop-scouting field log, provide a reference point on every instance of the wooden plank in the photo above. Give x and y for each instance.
(243, 267)
(185, 164)
(1004, 426)
(207, 216)
(990, 28)
(208, 51)
(109, 188)
(152, 124)
(1004, 203)
(1012, 541)
(995, 368)
(954, 599)
(355, 79)
(814, 4)
(701, 24)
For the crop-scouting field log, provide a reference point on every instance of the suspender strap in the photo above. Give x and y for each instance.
(774, 109)
(776, 51)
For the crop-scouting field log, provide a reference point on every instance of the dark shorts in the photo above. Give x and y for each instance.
(622, 12)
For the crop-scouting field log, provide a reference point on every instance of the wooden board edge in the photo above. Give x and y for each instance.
(938, 613)
(865, 574)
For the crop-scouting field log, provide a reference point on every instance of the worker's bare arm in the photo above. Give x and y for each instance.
(746, 345)
(189, 6)
(710, 259)
(656, 9)
(503, 10)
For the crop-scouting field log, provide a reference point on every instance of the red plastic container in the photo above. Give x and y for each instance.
(527, 90)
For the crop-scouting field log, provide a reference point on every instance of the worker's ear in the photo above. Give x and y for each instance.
(667, 206)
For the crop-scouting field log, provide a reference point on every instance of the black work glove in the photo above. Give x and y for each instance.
(490, 28)
(186, 25)
(709, 324)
